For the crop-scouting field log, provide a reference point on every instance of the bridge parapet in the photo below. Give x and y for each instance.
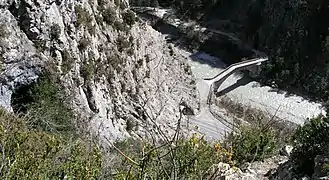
(221, 77)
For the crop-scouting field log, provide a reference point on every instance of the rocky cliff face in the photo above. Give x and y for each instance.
(118, 74)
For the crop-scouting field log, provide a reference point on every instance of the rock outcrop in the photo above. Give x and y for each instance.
(119, 75)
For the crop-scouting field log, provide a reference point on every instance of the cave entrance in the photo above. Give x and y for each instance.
(21, 98)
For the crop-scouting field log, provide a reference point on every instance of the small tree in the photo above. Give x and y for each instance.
(310, 140)
(129, 17)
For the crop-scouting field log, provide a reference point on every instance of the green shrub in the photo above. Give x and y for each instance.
(123, 5)
(310, 140)
(122, 43)
(147, 58)
(325, 168)
(131, 39)
(55, 31)
(101, 3)
(99, 19)
(91, 29)
(84, 18)
(67, 61)
(129, 17)
(130, 51)
(253, 143)
(82, 15)
(115, 61)
(32, 154)
(118, 25)
(117, 2)
(83, 44)
(87, 70)
(187, 159)
(40, 44)
(109, 15)
(45, 109)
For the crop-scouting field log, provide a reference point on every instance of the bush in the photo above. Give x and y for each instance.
(310, 140)
(109, 15)
(32, 154)
(120, 26)
(40, 44)
(130, 51)
(87, 70)
(45, 109)
(123, 5)
(55, 32)
(115, 61)
(83, 17)
(253, 143)
(67, 61)
(83, 44)
(129, 17)
(117, 2)
(187, 159)
(122, 43)
(91, 29)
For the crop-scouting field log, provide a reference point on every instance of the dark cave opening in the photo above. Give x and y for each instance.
(21, 98)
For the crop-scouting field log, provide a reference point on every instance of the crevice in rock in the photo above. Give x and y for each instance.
(19, 11)
(90, 98)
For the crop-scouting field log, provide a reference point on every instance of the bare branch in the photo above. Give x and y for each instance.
(120, 152)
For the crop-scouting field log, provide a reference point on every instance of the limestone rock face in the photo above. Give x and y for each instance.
(120, 76)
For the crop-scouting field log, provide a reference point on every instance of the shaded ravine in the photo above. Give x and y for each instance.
(205, 65)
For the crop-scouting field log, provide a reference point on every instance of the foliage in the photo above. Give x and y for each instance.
(258, 135)
(33, 154)
(83, 44)
(117, 2)
(87, 70)
(40, 44)
(325, 168)
(123, 5)
(55, 31)
(187, 159)
(253, 143)
(67, 61)
(109, 15)
(45, 109)
(91, 29)
(310, 140)
(83, 17)
(129, 17)
(115, 61)
(122, 43)
(118, 25)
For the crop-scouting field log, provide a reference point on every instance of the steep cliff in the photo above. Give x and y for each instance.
(116, 72)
